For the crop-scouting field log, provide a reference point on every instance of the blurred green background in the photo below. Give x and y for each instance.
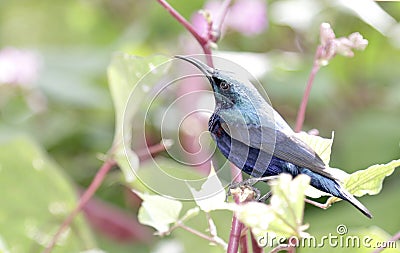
(67, 109)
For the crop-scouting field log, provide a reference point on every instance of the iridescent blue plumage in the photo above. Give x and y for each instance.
(254, 137)
(272, 167)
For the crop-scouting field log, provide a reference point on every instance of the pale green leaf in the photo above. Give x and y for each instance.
(124, 74)
(287, 201)
(38, 197)
(126, 159)
(369, 181)
(322, 146)
(168, 173)
(192, 212)
(284, 216)
(212, 194)
(158, 211)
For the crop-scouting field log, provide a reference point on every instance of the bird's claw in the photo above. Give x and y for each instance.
(246, 190)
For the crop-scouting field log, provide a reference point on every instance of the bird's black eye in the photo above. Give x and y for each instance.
(224, 85)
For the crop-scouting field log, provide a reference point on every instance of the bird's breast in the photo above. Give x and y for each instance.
(250, 160)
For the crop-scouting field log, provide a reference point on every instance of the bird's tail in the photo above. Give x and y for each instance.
(357, 204)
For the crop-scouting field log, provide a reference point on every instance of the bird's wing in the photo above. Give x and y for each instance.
(284, 145)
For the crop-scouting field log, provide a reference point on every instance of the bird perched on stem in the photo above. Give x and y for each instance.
(254, 137)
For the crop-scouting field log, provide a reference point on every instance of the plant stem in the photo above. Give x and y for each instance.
(281, 247)
(234, 236)
(86, 196)
(303, 106)
(199, 234)
(317, 204)
(148, 152)
(244, 248)
(237, 226)
(254, 244)
(202, 41)
(395, 238)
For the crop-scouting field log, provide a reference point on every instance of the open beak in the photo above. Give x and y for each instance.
(207, 71)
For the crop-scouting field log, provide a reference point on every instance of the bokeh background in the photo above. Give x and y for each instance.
(54, 91)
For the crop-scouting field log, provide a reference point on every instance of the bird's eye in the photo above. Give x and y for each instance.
(224, 85)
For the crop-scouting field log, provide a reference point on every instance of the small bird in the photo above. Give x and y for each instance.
(254, 137)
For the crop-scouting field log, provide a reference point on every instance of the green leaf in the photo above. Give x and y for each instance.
(158, 211)
(322, 146)
(160, 174)
(212, 194)
(125, 73)
(192, 212)
(36, 198)
(284, 216)
(368, 181)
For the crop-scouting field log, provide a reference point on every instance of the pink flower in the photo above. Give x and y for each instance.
(18, 66)
(248, 17)
(199, 19)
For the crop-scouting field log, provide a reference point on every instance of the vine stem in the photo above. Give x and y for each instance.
(395, 238)
(237, 226)
(201, 235)
(203, 41)
(86, 196)
(244, 247)
(303, 106)
(254, 244)
(281, 247)
(236, 231)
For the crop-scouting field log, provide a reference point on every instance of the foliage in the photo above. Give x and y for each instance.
(30, 211)
(67, 107)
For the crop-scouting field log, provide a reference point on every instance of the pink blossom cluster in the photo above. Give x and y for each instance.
(330, 45)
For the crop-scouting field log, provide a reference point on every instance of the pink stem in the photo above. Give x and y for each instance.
(303, 106)
(237, 226)
(244, 248)
(86, 196)
(254, 244)
(202, 41)
(234, 236)
(281, 247)
(147, 152)
(395, 238)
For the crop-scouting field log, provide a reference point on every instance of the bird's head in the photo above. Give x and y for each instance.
(229, 92)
